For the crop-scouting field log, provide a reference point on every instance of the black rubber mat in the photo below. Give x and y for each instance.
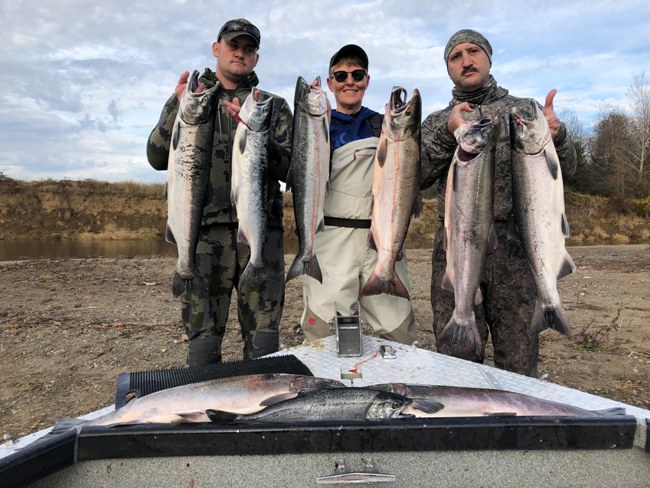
(141, 383)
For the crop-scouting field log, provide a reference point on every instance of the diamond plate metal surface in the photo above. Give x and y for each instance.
(420, 366)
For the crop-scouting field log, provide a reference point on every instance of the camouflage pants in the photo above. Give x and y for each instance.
(508, 300)
(221, 261)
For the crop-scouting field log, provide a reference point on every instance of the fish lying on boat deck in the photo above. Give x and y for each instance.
(237, 394)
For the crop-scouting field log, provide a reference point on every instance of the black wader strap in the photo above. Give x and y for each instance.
(352, 223)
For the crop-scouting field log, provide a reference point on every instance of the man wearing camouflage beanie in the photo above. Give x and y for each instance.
(507, 284)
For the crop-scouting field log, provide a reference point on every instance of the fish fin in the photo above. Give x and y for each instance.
(446, 283)
(189, 417)
(566, 232)
(454, 181)
(555, 319)
(552, 164)
(492, 237)
(242, 142)
(371, 240)
(272, 400)
(177, 135)
(416, 211)
(241, 237)
(251, 274)
(377, 286)
(169, 235)
(609, 412)
(478, 298)
(427, 406)
(567, 268)
(382, 149)
(321, 225)
(218, 416)
(500, 414)
(461, 339)
(196, 284)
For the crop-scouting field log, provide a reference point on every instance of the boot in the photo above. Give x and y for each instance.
(204, 350)
(259, 343)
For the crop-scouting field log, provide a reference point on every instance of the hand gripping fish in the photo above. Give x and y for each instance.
(395, 190)
(468, 230)
(249, 173)
(309, 173)
(188, 173)
(538, 201)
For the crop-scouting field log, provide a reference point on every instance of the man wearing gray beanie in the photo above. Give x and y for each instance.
(507, 285)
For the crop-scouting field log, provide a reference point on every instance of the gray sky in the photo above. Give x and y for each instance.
(84, 82)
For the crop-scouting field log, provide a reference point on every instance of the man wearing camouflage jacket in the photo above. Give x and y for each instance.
(507, 283)
(219, 259)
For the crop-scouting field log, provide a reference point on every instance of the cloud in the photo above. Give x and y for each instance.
(84, 82)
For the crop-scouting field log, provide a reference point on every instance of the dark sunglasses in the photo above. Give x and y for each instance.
(357, 75)
(237, 26)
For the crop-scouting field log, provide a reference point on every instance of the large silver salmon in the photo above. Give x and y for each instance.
(395, 190)
(538, 201)
(476, 402)
(250, 163)
(338, 404)
(188, 173)
(468, 223)
(238, 395)
(309, 173)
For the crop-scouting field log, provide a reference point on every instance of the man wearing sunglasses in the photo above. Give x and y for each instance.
(507, 285)
(342, 250)
(218, 257)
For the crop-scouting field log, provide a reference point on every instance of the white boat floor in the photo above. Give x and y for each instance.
(419, 366)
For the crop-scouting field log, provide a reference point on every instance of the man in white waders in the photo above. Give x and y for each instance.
(342, 249)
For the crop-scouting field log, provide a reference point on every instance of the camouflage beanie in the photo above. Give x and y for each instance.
(468, 35)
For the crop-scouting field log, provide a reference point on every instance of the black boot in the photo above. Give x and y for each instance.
(259, 344)
(204, 350)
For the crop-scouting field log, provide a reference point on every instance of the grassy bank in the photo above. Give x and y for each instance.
(90, 209)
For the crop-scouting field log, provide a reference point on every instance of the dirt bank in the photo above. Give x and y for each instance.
(69, 327)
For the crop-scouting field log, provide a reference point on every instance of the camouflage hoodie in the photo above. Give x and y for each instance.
(439, 145)
(218, 208)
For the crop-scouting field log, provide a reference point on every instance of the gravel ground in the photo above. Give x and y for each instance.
(68, 327)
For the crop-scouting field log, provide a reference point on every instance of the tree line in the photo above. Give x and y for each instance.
(613, 157)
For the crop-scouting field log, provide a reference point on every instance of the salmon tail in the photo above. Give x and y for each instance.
(549, 318)
(377, 286)
(196, 284)
(301, 266)
(250, 275)
(460, 339)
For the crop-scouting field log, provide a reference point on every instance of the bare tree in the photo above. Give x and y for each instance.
(639, 94)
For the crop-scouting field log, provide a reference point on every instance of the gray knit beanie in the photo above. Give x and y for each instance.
(468, 35)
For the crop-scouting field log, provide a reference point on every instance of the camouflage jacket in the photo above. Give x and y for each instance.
(439, 145)
(218, 207)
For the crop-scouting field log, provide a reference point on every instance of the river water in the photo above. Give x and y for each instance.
(53, 249)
